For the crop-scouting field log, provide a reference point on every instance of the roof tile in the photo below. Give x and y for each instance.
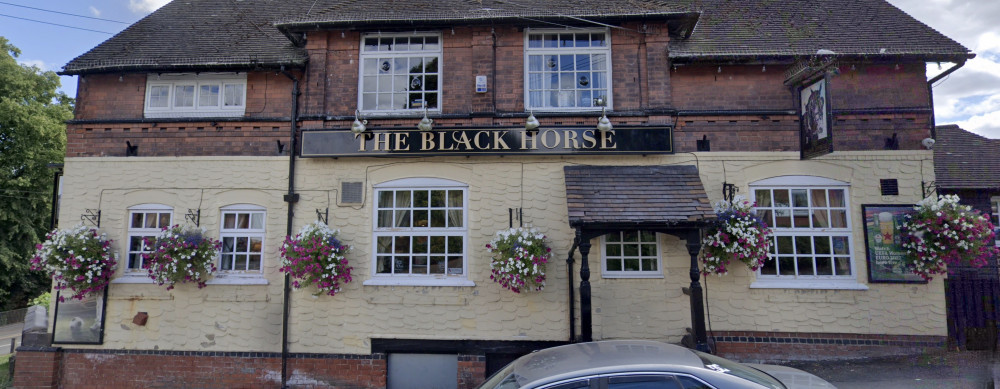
(635, 195)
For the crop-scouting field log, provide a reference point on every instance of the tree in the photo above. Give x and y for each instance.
(32, 135)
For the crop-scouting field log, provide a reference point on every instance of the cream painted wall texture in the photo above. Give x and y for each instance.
(227, 317)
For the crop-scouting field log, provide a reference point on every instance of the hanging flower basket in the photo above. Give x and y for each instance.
(181, 254)
(736, 234)
(315, 257)
(519, 258)
(943, 232)
(78, 259)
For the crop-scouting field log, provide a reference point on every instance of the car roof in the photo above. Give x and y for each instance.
(603, 357)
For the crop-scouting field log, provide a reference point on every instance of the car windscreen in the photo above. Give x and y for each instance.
(726, 366)
(503, 379)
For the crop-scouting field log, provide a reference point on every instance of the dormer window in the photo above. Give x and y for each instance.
(567, 70)
(400, 72)
(195, 95)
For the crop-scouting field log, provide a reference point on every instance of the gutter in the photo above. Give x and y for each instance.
(930, 93)
(291, 198)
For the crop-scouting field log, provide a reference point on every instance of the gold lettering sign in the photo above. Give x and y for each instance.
(552, 141)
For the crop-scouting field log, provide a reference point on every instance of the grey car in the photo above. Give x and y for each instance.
(642, 364)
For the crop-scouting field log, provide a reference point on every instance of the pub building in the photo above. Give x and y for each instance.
(611, 127)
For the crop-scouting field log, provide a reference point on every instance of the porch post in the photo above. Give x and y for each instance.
(586, 322)
(697, 302)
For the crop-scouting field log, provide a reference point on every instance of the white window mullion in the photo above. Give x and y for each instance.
(429, 243)
(810, 260)
(170, 95)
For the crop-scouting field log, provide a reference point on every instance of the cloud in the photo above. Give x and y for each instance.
(96, 12)
(146, 6)
(969, 97)
(34, 62)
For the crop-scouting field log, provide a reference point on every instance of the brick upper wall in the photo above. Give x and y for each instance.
(122, 96)
(110, 96)
(642, 79)
(177, 139)
(761, 87)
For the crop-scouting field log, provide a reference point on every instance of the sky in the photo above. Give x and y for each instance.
(969, 97)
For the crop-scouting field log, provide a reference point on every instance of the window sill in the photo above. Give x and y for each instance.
(132, 278)
(544, 111)
(418, 281)
(206, 114)
(627, 275)
(237, 279)
(808, 284)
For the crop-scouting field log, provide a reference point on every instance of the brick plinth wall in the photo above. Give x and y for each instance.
(471, 371)
(770, 347)
(79, 368)
(37, 368)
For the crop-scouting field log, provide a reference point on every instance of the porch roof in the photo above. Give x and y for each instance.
(626, 197)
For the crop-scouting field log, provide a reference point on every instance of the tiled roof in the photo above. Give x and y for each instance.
(194, 34)
(756, 28)
(639, 195)
(227, 34)
(346, 12)
(965, 160)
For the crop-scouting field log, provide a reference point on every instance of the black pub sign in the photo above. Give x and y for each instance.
(487, 141)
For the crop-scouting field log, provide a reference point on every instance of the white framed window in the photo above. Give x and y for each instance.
(811, 223)
(242, 234)
(144, 221)
(567, 70)
(995, 219)
(631, 254)
(420, 233)
(400, 72)
(195, 95)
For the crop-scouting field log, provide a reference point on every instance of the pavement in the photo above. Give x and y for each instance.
(932, 370)
(8, 332)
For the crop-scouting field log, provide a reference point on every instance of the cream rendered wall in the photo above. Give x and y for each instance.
(901, 309)
(248, 317)
(218, 317)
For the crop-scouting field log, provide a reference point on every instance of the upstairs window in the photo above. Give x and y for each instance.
(400, 72)
(567, 70)
(195, 95)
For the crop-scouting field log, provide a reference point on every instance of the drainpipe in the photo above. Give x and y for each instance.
(572, 308)
(930, 93)
(291, 198)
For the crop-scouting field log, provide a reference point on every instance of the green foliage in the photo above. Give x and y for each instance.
(6, 376)
(32, 135)
(45, 300)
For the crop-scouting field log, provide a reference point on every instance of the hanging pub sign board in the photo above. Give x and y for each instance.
(486, 141)
(883, 246)
(815, 118)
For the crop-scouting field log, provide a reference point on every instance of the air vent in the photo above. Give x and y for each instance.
(890, 187)
(351, 193)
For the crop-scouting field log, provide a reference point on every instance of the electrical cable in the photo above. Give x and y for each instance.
(64, 13)
(57, 24)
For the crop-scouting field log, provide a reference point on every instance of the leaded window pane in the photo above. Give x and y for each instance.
(407, 73)
(566, 70)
